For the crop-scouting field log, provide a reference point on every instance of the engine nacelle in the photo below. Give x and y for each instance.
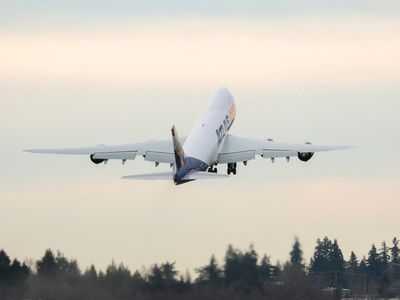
(305, 156)
(96, 160)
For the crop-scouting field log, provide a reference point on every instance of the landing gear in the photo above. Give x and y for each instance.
(232, 168)
(211, 169)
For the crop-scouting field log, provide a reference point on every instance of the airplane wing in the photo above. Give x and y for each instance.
(237, 149)
(160, 151)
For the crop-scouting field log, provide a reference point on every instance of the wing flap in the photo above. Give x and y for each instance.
(115, 155)
(276, 153)
(162, 157)
(225, 158)
(196, 175)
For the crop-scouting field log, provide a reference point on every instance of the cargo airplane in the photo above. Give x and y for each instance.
(208, 144)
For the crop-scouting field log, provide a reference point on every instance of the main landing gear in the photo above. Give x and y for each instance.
(211, 169)
(232, 168)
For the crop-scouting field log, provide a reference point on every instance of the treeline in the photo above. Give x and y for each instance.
(242, 274)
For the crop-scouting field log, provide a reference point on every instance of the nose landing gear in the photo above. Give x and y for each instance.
(232, 168)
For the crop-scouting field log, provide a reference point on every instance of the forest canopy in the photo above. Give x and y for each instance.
(240, 274)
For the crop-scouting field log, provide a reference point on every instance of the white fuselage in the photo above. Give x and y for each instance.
(207, 136)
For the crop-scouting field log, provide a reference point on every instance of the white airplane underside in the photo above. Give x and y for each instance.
(207, 145)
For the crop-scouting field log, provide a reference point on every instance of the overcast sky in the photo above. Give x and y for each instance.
(77, 73)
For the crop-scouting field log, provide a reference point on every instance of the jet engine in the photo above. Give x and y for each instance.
(305, 156)
(96, 160)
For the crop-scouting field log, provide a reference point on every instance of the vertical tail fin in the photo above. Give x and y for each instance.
(178, 150)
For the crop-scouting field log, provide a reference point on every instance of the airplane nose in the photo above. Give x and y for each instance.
(222, 92)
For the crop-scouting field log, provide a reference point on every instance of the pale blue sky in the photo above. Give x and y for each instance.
(30, 14)
(121, 7)
(89, 72)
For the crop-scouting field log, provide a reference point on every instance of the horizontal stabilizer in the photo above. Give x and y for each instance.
(151, 176)
(194, 175)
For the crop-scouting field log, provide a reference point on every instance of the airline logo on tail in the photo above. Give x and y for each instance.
(226, 124)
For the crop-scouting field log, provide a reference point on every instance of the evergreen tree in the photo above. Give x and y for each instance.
(232, 268)
(327, 263)
(184, 283)
(155, 279)
(353, 262)
(384, 257)
(352, 272)
(117, 276)
(363, 266)
(250, 270)
(241, 267)
(337, 264)
(91, 273)
(395, 251)
(265, 268)
(373, 263)
(276, 270)
(138, 281)
(211, 273)
(5, 271)
(47, 266)
(395, 259)
(296, 255)
(336, 260)
(320, 261)
(65, 267)
(18, 272)
(363, 270)
(169, 274)
(384, 281)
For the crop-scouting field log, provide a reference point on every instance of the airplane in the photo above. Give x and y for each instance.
(209, 144)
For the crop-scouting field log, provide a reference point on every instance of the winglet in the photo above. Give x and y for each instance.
(178, 150)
